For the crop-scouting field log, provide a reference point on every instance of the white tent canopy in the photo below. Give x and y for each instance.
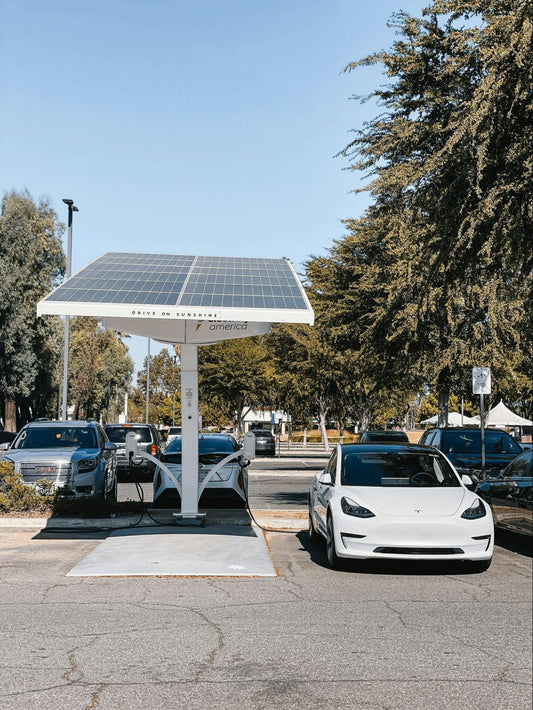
(454, 419)
(500, 415)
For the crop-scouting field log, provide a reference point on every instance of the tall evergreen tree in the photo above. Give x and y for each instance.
(446, 158)
(31, 264)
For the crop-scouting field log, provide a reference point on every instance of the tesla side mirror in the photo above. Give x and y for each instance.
(325, 478)
(110, 446)
(467, 481)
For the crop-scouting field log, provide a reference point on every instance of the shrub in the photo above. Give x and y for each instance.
(15, 496)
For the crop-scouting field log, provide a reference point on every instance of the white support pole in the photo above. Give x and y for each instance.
(147, 416)
(189, 438)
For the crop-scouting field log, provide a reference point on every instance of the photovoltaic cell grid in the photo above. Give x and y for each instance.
(160, 280)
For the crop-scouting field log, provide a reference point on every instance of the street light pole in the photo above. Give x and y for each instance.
(71, 208)
(174, 392)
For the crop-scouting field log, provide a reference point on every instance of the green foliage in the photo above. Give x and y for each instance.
(233, 375)
(436, 278)
(31, 264)
(15, 496)
(100, 369)
(165, 394)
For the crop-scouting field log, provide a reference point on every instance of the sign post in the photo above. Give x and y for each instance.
(481, 385)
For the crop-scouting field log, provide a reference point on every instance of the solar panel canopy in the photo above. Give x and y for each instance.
(215, 288)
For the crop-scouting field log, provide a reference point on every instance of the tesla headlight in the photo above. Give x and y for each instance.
(350, 507)
(476, 510)
(87, 465)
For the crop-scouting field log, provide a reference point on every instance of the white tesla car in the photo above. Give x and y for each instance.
(400, 502)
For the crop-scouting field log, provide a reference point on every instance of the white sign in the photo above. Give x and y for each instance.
(481, 380)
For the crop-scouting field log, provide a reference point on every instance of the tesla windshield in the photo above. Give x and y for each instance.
(206, 445)
(396, 468)
(53, 437)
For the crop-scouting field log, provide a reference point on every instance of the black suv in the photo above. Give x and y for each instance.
(462, 445)
(148, 439)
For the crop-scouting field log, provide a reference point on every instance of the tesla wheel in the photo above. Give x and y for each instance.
(334, 560)
(313, 533)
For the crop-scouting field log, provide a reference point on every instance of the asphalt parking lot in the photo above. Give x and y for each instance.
(376, 636)
(373, 637)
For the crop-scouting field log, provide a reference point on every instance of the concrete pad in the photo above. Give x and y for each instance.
(214, 550)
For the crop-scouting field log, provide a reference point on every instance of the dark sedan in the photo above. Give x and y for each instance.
(510, 494)
(462, 445)
(265, 442)
(392, 436)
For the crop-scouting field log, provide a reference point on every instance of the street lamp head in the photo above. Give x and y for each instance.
(75, 209)
(68, 202)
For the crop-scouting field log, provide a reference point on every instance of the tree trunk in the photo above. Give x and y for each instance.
(323, 431)
(444, 395)
(10, 415)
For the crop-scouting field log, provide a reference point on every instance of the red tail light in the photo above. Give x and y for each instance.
(153, 449)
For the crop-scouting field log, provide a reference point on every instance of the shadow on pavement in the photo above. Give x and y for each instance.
(317, 553)
(515, 542)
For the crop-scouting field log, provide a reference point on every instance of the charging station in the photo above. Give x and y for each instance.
(188, 301)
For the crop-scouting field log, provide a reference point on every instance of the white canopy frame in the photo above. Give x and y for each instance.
(187, 326)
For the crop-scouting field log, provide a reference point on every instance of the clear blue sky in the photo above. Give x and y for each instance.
(189, 127)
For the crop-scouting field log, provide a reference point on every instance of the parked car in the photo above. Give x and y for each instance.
(148, 440)
(75, 456)
(265, 442)
(227, 489)
(6, 436)
(462, 445)
(173, 432)
(398, 502)
(379, 437)
(510, 494)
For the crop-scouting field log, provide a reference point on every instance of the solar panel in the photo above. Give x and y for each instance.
(191, 286)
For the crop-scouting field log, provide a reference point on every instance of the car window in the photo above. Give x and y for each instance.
(396, 468)
(53, 437)
(428, 438)
(331, 468)
(463, 442)
(521, 466)
(117, 434)
(384, 436)
(262, 433)
(101, 436)
(206, 445)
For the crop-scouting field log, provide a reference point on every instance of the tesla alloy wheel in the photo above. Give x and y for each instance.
(334, 560)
